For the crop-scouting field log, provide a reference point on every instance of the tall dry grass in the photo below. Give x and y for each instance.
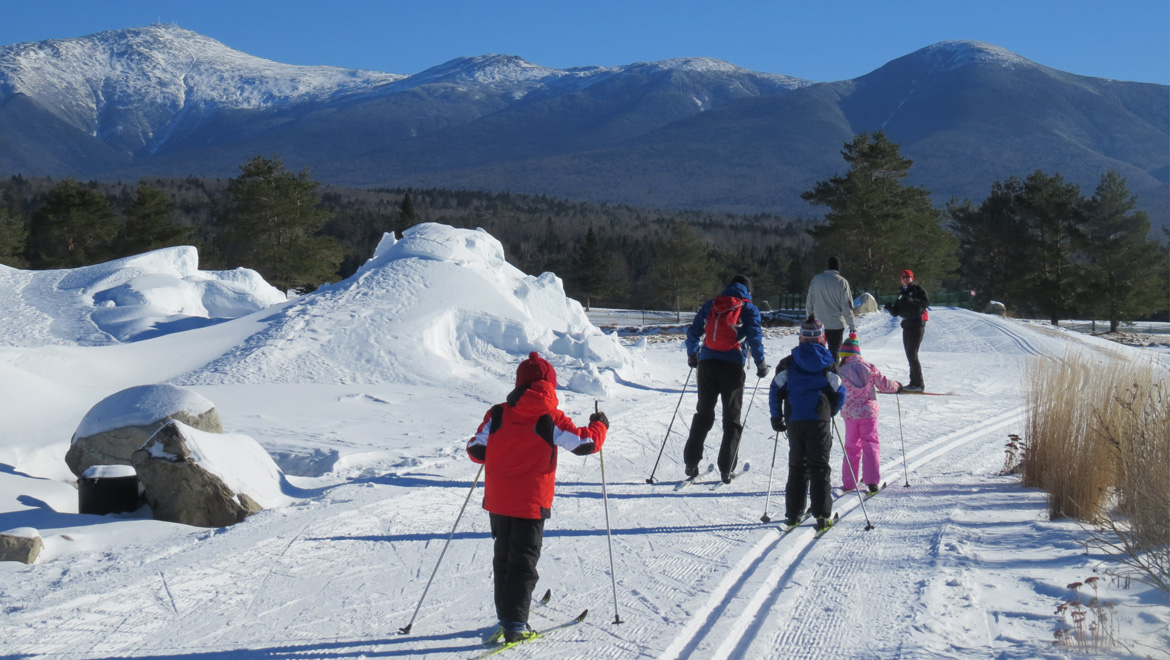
(1098, 438)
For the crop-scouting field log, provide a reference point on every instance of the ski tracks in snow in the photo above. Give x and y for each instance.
(739, 618)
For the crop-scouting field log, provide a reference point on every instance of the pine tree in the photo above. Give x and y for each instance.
(273, 225)
(12, 238)
(591, 273)
(684, 273)
(74, 227)
(149, 223)
(408, 217)
(992, 253)
(1124, 266)
(1050, 210)
(877, 225)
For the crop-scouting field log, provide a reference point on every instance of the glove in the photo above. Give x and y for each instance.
(599, 417)
(778, 424)
(692, 360)
(761, 369)
(900, 389)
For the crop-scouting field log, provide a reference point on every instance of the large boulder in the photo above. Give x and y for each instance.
(205, 479)
(864, 304)
(22, 544)
(995, 307)
(120, 423)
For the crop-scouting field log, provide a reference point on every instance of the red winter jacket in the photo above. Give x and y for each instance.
(518, 442)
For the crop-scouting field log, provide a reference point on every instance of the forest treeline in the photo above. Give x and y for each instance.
(1036, 244)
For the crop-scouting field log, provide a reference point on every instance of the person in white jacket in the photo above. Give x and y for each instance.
(831, 302)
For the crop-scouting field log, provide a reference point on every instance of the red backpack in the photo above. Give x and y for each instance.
(722, 329)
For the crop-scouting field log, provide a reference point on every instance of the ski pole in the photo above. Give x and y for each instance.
(650, 479)
(905, 470)
(860, 499)
(608, 537)
(768, 497)
(752, 400)
(406, 629)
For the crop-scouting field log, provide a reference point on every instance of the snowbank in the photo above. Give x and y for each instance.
(128, 299)
(438, 306)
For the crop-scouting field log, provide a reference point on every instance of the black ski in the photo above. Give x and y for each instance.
(540, 635)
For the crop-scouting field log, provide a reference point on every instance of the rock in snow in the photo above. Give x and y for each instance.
(120, 423)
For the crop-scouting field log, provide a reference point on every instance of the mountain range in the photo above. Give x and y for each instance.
(692, 133)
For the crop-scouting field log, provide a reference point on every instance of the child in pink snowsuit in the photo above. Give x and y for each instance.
(862, 383)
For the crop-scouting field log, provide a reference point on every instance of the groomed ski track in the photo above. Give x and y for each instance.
(699, 576)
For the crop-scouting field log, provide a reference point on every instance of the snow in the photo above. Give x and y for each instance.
(139, 406)
(364, 394)
(238, 460)
(109, 472)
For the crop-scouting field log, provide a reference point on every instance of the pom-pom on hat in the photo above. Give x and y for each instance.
(533, 369)
(812, 330)
(850, 346)
(743, 279)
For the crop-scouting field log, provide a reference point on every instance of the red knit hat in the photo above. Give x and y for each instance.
(533, 369)
(908, 273)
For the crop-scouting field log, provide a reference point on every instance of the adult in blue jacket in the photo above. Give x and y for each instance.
(805, 394)
(720, 362)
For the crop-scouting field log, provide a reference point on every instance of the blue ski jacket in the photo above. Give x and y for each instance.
(750, 333)
(806, 385)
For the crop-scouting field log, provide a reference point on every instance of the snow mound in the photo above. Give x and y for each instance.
(128, 299)
(438, 306)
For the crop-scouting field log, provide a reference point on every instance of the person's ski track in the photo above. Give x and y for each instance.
(768, 578)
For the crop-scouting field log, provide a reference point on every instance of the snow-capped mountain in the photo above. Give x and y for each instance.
(132, 88)
(679, 133)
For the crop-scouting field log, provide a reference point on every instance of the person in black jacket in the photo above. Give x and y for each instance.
(911, 307)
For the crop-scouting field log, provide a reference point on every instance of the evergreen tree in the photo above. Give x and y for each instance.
(74, 227)
(992, 253)
(1050, 210)
(149, 223)
(876, 224)
(591, 272)
(12, 238)
(684, 273)
(1124, 274)
(407, 216)
(273, 225)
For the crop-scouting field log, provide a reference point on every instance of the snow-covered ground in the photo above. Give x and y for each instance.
(365, 392)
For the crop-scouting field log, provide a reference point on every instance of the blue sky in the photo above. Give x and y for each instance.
(817, 40)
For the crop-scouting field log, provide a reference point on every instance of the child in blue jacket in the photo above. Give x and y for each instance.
(805, 394)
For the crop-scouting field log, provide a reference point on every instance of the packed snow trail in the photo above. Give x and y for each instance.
(963, 564)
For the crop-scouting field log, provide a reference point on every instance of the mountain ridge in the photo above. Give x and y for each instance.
(688, 132)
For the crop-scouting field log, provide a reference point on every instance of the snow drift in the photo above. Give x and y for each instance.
(128, 299)
(438, 306)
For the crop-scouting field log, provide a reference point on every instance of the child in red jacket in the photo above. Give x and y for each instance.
(517, 441)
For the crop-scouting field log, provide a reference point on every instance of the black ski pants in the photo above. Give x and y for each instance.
(911, 340)
(717, 380)
(517, 549)
(809, 473)
(833, 339)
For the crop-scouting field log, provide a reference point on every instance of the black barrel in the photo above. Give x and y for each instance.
(106, 489)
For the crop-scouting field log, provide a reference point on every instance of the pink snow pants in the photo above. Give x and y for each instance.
(861, 440)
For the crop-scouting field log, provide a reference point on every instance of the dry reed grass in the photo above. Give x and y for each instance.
(1098, 441)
